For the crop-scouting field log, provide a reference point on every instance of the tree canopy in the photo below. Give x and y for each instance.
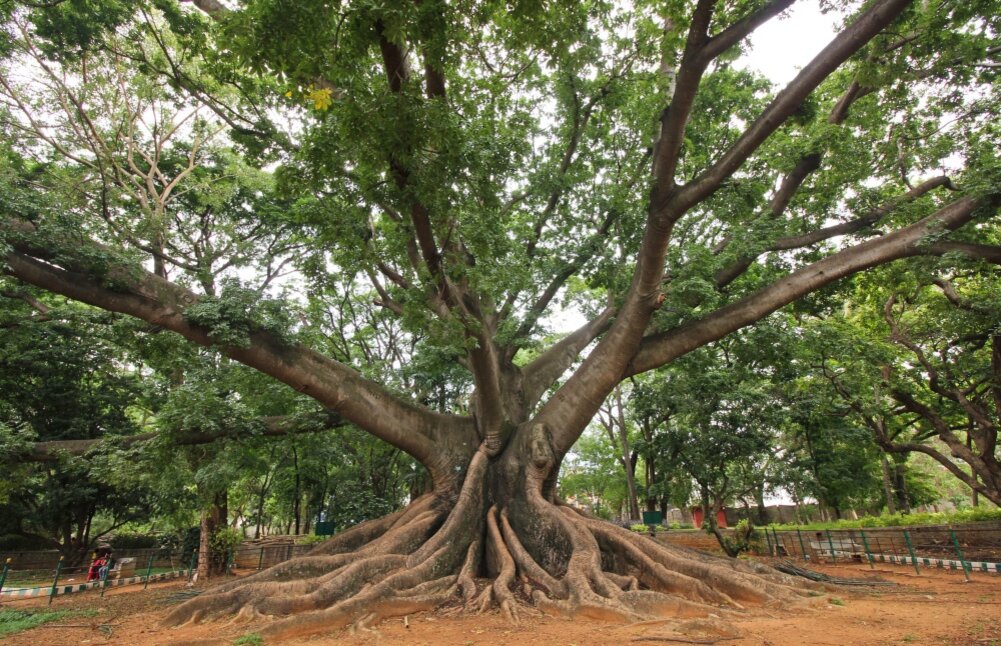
(385, 205)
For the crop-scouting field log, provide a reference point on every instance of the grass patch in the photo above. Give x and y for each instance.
(250, 639)
(15, 621)
(836, 602)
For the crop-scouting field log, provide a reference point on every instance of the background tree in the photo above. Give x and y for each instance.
(63, 375)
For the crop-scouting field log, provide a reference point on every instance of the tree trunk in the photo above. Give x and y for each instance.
(888, 493)
(213, 519)
(205, 532)
(759, 498)
(297, 504)
(900, 486)
(504, 522)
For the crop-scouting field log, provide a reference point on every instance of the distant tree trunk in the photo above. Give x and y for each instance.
(888, 493)
(974, 494)
(213, 519)
(618, 433)
(900, 485)
(297, 505)
(759, 498)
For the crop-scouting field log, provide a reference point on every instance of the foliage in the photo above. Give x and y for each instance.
(740, 539)
(387, 206)
(310, 539)
(225, 541)
(60, 379)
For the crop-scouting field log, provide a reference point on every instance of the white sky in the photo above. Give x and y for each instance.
(783, 45)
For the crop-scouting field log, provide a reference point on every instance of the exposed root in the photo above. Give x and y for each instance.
(502, 584)
(529, 567)
(467, 576)
(421, 557)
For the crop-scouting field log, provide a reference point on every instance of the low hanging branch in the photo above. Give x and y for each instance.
(53, 450)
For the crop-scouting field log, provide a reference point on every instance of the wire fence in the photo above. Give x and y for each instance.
(47, 573)
(970, 548)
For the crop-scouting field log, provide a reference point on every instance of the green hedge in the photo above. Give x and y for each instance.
(904, 520)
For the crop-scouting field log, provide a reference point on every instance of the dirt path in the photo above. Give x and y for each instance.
(935, 608)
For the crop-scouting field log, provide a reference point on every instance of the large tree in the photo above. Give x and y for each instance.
(467, 164)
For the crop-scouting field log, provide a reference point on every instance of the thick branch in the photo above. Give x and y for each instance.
(739, 30)
(138, 293)
(547, 367)
(266, 427)
(659, 349)
(674, 118)
(213, 8)
(848, 42)
(726, 275)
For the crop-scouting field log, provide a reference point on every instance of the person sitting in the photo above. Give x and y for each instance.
(98, 569)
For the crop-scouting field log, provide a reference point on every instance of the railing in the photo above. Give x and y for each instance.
(971, 548)
(46, 573)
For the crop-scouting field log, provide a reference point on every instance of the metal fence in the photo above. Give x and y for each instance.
(47, 573)
(971, 548)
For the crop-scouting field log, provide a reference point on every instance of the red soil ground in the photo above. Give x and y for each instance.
(935, 608)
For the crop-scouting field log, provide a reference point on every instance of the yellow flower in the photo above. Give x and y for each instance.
(321, 98)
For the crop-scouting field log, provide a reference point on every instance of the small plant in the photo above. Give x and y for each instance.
(834, 601)
(250, 639)
(639, 527)
(910, 637)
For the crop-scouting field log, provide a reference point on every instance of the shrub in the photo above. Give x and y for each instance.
(973, 515)
(310, 539)
(133, 540)
(639, 527)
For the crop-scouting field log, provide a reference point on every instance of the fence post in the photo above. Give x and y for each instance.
(910, 550)
(55, 582)
(802, 548)
(830, 543)
(777, 542)
(149, 568)
(769, 541)
(959, 553)
(3, 575)
(868, 552)
(260, 560)
(191, 564)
